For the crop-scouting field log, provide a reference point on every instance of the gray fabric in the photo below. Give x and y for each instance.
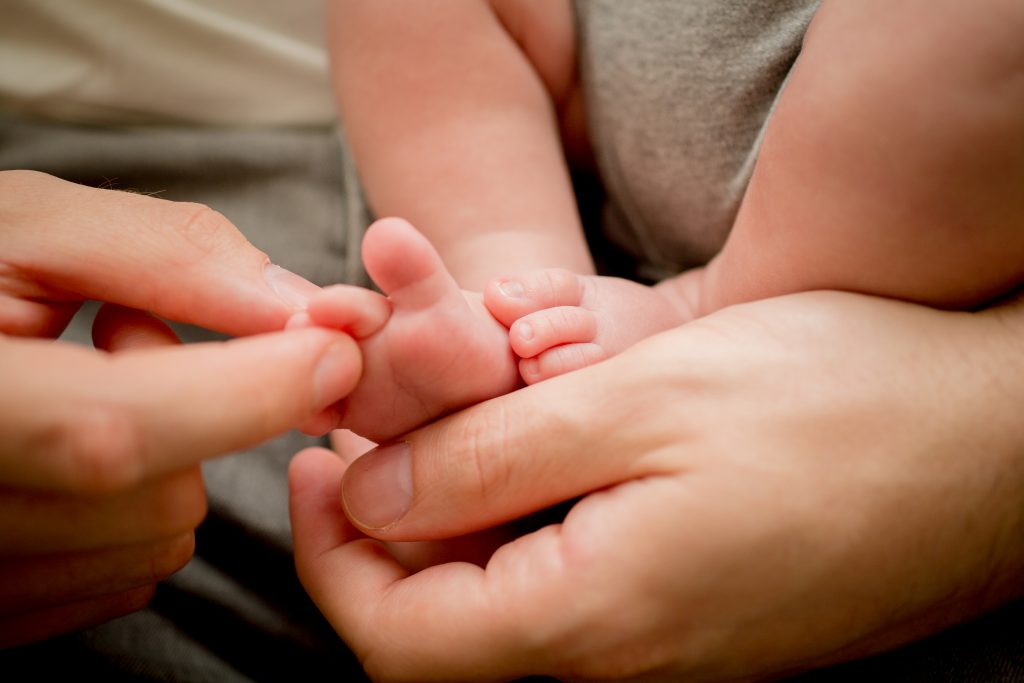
(677, 95)
(236, 612)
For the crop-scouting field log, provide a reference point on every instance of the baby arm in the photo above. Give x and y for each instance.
(893, 164)
(453, 110)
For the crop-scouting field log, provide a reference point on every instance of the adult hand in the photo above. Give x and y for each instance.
(776, 486)
(99, 484)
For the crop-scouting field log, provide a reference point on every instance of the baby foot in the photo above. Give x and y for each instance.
(559, 321)
(429, 348)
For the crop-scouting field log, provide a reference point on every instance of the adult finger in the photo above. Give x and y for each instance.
(182, 261)
(78, 420)
(38, 625)
(34, 522)
(26, 317)
(359, 311)
(506, 458)
(117, 328)
(363, 591)
(40, 582)
(349, 446)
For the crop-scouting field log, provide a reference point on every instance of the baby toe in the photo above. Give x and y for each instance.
(537, 332)
(560, 360)
(358, 311)
(509, 299)
(406, 266)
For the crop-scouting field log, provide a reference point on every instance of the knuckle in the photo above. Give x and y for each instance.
(205, 229)
(96, 449)
(17, 179)
(482, 441)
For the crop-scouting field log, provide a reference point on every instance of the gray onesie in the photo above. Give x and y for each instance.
(677, 95)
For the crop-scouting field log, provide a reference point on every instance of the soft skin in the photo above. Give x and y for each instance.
(775, 486)
(99, 481)
(839, 474)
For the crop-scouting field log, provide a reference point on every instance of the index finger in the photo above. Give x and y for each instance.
(182, 261)
(78, 420)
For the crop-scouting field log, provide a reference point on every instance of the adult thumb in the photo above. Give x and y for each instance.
(491, 463)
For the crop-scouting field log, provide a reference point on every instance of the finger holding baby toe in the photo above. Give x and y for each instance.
(560, 360)
(325, 421)
(509, 299)
(360, 312)
(537, 332)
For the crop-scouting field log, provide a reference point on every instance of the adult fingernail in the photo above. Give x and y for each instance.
(511, 289)
(377, 489)
(334, 375)
(294, 290)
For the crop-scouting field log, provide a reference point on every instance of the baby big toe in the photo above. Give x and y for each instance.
(560, 360)
(406, 266)
(537, 332)
(509, 299)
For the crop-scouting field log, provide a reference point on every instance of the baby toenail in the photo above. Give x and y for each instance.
(525, 331)
(511, 289)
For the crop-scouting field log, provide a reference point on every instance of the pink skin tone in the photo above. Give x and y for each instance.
(430, 347)
(559, 321)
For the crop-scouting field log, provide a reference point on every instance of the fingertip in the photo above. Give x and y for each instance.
(310, 466)
(323, 422)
